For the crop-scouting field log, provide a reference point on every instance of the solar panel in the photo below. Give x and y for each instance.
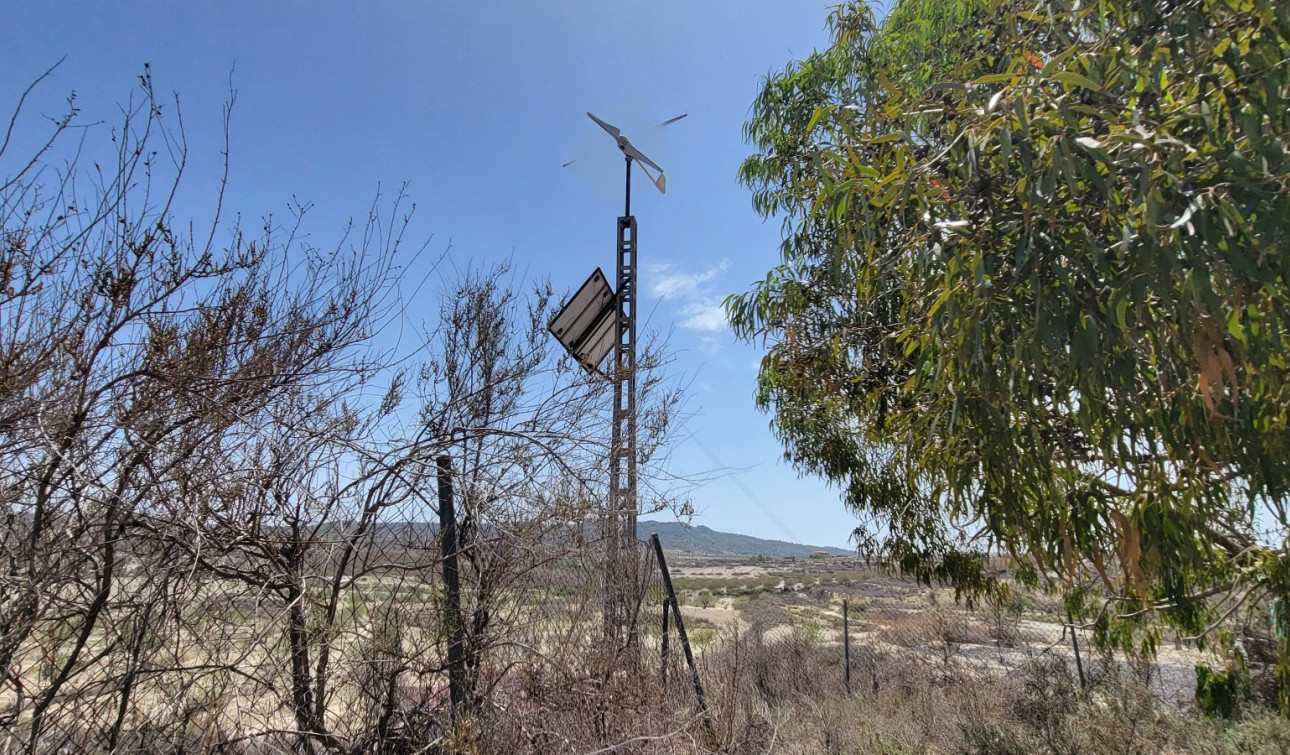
(585, 325)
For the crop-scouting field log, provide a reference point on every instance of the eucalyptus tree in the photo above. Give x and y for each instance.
(1033, 293)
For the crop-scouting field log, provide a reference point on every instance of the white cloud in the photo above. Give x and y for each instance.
(674, 284)
(706, 316)
(700, 308)
(711, 345)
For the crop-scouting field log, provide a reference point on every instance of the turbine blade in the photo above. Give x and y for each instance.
(635, 154)
(670, 121)
(613, 131)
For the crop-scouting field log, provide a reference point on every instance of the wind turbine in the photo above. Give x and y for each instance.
(635, 154)
(595, 322)
(659, 180)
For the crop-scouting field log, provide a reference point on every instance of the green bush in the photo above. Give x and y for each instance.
(1220, 693)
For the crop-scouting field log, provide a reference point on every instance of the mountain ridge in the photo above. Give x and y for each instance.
(703, 540)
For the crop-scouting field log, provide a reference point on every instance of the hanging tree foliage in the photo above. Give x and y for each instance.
(1033, 291)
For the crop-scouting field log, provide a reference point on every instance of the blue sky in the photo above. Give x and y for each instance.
(476, 106)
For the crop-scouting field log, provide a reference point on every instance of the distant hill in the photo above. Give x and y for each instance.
(675, 536)
(687, 539)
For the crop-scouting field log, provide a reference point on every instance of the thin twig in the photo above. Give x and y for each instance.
(649, 738)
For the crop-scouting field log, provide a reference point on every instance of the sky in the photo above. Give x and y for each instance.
(475, 107)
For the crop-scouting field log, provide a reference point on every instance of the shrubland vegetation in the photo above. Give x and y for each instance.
(1031, 317)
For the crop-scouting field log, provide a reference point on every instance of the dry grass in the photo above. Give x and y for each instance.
(787, 696)
(927, 676)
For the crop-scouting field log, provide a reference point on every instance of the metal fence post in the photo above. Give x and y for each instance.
(1079, 664)
(846, 646)
(667, 606)
(680, 625)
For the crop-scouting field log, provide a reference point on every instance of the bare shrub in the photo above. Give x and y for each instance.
(787, 695)
(1045, 702)
(945, 631)
(216, 522)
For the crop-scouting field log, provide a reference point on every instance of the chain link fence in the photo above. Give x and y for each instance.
(335, 637)
(891, 620)
(228, 652)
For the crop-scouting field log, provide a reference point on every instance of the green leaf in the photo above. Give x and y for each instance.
(885, 138)
(1075, 79)
(815, 118)
(1235, 327)
(1121, 309)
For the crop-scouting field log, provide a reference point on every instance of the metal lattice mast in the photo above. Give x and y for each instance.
(620, 574)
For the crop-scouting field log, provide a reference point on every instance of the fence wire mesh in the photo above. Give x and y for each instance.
(326, 636)
(344, 645)
(789, 604)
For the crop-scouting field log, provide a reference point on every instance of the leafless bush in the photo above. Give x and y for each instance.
(217, 478)
(141, 369)
(943, 631)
